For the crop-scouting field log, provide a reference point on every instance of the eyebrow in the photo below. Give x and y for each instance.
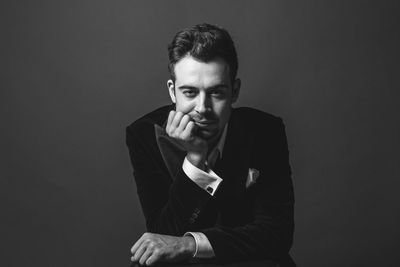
(220, 85)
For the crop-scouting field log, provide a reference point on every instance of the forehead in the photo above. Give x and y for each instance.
(188, 70)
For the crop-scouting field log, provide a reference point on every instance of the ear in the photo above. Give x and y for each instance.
(171, 90)
(236, 89)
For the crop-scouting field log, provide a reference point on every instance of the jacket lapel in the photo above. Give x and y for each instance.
(171, 151)
(233, 165)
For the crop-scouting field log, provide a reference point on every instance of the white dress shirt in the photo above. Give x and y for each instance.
(209, 181)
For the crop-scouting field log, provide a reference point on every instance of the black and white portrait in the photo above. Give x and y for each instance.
(201, 133)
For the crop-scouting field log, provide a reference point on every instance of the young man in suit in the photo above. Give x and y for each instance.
(214, 181)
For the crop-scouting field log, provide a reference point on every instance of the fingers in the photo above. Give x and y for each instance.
(171, 116)
(150, 256)
(145, 248)
(177, 119)
(145, 256)
(154, 258)
(183, 123)
(139, 253)
(189, 130)
(177, 123)
(138, 243)
(183, 129)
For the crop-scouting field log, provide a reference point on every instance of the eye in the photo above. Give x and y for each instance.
(189, 93)
(217, 93)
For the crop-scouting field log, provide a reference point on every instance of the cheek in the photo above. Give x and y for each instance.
(184, 106)
(222, 109)
(223, 113)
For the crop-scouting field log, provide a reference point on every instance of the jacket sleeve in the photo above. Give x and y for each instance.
(270, 234)
(168, 203)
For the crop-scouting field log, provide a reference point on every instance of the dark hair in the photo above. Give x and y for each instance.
(204, 42)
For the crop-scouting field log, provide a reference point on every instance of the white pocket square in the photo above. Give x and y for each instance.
(252, 176)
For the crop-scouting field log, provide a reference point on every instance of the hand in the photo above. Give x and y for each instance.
(182, 128)
(153, 248)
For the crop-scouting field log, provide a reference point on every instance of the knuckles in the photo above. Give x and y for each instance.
(151, 245)
(156, 249)
(157, 252)
(146, 235)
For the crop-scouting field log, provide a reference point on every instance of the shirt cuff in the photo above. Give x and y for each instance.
(209, 181)
(204, 249)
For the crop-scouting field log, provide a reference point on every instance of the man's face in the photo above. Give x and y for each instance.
(205, 92)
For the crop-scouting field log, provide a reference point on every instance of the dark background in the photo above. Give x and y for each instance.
(75, 73)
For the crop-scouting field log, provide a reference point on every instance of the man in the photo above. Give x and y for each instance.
(213, 181)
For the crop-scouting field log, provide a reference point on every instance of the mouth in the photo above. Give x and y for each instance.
(205, 123)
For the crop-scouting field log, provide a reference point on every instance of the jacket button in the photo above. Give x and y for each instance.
(209, 189)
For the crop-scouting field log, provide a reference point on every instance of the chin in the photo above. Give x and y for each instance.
(209, 135)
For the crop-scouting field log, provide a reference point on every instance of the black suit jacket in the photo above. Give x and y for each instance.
(240, 223)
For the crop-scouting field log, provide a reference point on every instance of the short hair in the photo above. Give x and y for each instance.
(204, 42)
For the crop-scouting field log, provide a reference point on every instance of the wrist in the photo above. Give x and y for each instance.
(189, 245)
(197, 159)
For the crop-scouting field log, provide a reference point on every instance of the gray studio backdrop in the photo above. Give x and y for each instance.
(75, 73)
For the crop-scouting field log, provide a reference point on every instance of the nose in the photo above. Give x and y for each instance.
(203, 104)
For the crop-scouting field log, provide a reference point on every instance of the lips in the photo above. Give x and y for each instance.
(204, 123)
